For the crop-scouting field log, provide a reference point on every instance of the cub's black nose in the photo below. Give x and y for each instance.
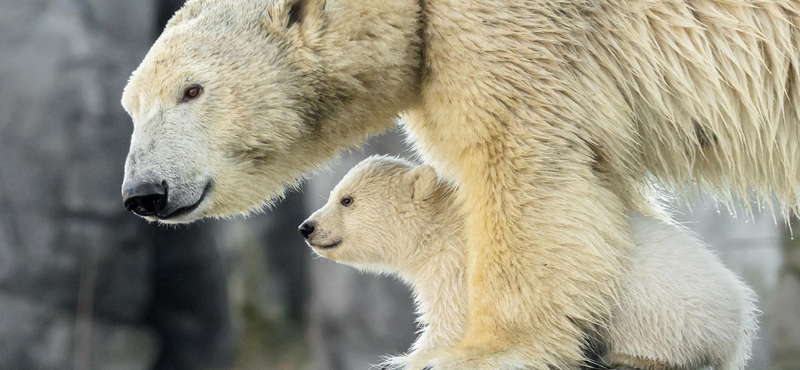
(306, 229)
(146, 198)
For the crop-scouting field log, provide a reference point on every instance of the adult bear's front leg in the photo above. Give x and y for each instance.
(502, 114)
(545, 238)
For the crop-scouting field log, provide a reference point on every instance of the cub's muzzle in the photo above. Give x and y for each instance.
(306, 229)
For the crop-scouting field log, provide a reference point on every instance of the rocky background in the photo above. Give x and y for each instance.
(85, 285)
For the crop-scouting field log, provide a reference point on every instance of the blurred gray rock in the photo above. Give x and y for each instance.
(84, 284)
(786, 323)
(36, 336)
(268, 283)
(785, 315)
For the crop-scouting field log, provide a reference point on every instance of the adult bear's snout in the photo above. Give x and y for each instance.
(145, 198)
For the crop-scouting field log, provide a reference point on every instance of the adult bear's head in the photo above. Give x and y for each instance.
(238, 99)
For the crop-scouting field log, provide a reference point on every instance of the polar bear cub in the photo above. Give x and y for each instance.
(678, 307)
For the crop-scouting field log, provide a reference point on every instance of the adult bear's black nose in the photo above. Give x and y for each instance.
(306, 229)
(146, 198)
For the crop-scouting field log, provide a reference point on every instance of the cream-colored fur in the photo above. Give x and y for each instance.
(678, 306)
(548, 115)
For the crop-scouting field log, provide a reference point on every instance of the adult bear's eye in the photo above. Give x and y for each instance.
(347, 201)
(191, 93)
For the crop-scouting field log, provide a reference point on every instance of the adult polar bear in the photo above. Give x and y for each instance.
(548, 115)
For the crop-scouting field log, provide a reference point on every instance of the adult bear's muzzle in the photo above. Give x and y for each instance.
(145, 198)
(157, 200)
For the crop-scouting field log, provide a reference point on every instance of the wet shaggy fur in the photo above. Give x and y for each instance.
(678, 307)
(548, 115)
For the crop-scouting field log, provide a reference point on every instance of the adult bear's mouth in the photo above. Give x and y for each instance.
(327, 246)
(186, 210)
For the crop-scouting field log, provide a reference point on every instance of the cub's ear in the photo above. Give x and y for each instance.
(286, 14)
(423, 181)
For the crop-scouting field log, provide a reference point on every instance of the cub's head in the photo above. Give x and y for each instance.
(238, 99)
(375, 214)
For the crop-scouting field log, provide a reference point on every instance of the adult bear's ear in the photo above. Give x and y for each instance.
(423, 181)
(282, 15)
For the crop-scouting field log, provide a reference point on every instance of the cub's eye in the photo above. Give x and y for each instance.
(347, 201)
(191, 93)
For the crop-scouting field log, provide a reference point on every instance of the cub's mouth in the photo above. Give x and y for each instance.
(327, 246)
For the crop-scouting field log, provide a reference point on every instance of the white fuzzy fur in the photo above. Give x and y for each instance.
(678, 304)
(678, 307)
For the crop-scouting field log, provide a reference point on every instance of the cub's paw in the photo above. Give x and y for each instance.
(474, 359)
(411, 361)
(393, 363)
